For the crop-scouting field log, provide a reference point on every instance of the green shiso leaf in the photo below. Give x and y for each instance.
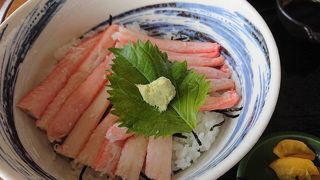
(142, 63)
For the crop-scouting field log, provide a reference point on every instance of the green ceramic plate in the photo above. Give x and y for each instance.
(255, 165)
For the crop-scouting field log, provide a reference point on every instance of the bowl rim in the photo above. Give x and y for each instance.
(253, 134)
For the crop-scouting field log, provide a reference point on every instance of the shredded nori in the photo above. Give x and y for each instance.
(110, 19)
(180, 135)
(225, 112)
(108, 110)
(229, 110)
(144, 176)
(197, 138)
(181, 38)
(217, 125)
(230, 115)
(156, 34)
(82, 172)
(176, 171)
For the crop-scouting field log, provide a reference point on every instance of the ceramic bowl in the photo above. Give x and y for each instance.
(29, 38)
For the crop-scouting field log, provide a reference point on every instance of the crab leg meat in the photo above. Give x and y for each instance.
(158, 160)
(129, 166)
(210, 73)
(36, 101)
(91, 148)
(84, 127)
(108, 157)
(126, 35)
(76, 104)
(116, 133)
(227, 100)
(198, 61)
(96, 56)
(221, 84)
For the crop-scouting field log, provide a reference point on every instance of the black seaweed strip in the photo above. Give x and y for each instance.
(144, 176)
(179, 135)
(197, 138)
(108, 110)
(110, 19)
(216, 125)
(181, 38)
(229, 115)
(177, 171)
(82, 172)
(229, 110)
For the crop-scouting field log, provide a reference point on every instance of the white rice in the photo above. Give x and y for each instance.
(187, 151)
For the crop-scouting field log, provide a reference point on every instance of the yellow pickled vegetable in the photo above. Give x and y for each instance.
(291, 167)
(293, 148)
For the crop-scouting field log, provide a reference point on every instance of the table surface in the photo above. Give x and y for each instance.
(298, 104)
(299, 99)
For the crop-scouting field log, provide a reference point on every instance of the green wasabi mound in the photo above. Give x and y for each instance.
(158, 93)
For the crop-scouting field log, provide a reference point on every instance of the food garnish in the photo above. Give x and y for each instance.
(293, 148)
(295, 160)
(158, 93)
(292, 167)
(142, 63)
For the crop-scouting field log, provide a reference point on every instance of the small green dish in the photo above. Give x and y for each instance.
(255, 165)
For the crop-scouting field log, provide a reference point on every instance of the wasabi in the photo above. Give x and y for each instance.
(158, 93)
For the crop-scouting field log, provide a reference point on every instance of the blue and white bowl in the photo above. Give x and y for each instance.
(30, 36)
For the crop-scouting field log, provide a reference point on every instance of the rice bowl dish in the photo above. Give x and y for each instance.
(206, 131)
(190, 91)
